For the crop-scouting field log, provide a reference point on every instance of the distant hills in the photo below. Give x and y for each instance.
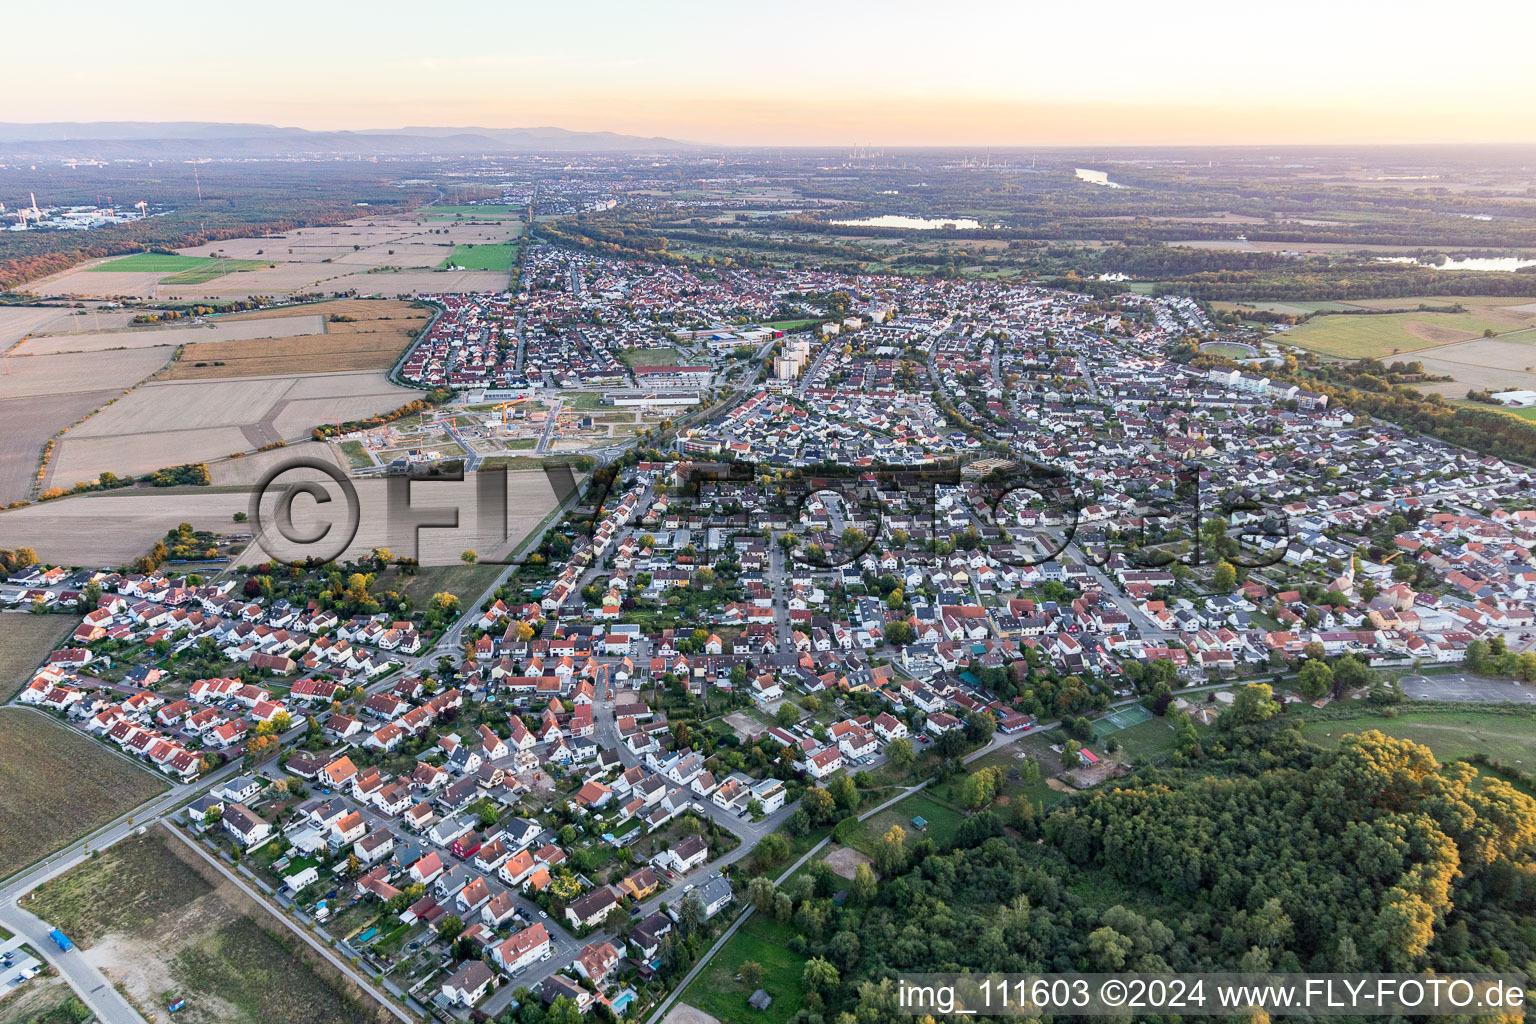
(185, 139)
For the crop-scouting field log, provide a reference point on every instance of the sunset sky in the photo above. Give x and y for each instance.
(795, 72)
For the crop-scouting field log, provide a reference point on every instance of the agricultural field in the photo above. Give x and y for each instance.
(390, 256)
(56, 786)
(1526, 413)
(150, 262)
(25, 640)
(169, 422)
(1504, 363)
(717, 992)
(1451, 734)
(372, 337)
(487, 210)
(29, 423)
(1383, 335)
(18, 322)
(498, 257)
(114, 527)
(159, 922)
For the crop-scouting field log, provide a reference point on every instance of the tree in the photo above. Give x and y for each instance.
(751, 974)
(1315, 679)
(899, 633)
(771, 850)
(261, 748)
(1252, 703)
(900, 752)
(449, 927)
(468, 557)
(787, 715)
(845, 792)
(863, 887)
(1350, 673)
(819, 803)
(820, 976)
(1225, 578)
(890, 852)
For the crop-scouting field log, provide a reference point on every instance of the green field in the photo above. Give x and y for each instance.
(1381, 335)
(717, 992)
(490, 210)
(184, 269)
(651, 356)
(498, 257)
(1152, 740)
(943, 822)
(789, 325)
(1451, 734)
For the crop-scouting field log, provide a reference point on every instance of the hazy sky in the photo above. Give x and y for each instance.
(796, 72)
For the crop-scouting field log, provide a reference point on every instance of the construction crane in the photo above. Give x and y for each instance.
(143, 209)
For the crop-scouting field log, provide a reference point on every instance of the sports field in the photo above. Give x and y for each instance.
(1131, 714)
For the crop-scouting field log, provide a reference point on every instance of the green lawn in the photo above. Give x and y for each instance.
(498, 257)
(788, 325)
(584, 401)
(717, 992)
(1151, 740)
(651, 356)
(1451, 734)
(943, 822)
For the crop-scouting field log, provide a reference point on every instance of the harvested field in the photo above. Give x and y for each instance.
(16, 322)
(189, 334)
(166, 423)
(56, 785)
(157, 919)
(111, 527)
(1492, 364)
(26, 424)
(372, 340)
(25, 640)
(67, 373)
(82, 283)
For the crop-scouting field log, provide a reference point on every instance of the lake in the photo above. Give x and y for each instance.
(1509, 264)
(892, 220)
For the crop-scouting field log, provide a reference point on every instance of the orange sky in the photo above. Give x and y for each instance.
(803, 73)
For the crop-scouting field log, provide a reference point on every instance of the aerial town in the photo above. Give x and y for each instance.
(552, 789)
(793, 545)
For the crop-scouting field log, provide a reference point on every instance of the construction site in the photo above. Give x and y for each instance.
(535, 424)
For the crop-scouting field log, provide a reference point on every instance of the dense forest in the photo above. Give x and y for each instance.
(1261, 853)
